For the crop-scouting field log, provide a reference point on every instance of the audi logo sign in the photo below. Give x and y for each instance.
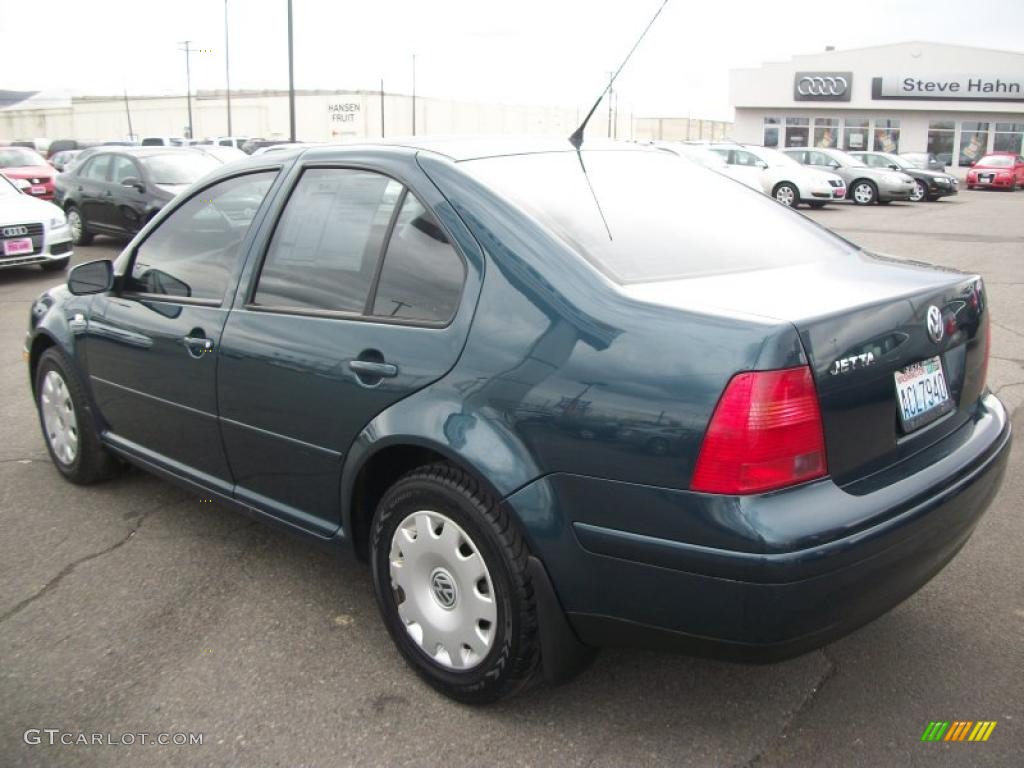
(822, 86)
(14, 231)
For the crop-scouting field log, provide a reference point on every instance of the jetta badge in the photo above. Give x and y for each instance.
(852, 363)
(934, 324)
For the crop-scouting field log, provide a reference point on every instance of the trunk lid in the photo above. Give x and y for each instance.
(861, 320)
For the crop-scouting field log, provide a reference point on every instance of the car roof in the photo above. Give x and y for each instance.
(142, 151)
(460, 148)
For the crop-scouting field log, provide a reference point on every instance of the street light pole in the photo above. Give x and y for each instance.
(227, 66)
(291, 75)
(188, 83)
(414, 94)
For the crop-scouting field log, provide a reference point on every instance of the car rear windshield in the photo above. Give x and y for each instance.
(641, 216)
(181, 168)
(16, 157)
(996, 161)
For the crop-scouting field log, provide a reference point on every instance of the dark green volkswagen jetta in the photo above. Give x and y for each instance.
(558, 399)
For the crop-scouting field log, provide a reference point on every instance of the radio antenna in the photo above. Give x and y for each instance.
(577, 136)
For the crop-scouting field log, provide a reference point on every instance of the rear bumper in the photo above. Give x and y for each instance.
(758, 578)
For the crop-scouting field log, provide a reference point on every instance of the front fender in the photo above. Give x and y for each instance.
(57, 318)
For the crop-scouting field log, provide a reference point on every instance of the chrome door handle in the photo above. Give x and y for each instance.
(369, 368)
(198, 346)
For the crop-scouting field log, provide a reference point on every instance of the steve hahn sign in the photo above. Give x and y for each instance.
(963, 87)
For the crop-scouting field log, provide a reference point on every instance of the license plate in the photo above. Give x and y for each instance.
(37, 190)
(921, 393)
(18, 247)
(839, 193)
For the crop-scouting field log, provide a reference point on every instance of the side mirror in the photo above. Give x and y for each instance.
(91, 277)
(894, 167)
(833, 164)
(131, 181)
(761, 164)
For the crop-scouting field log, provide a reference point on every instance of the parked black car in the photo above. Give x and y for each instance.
(116, 191)
(926, 160)
(928, 185)
(549, 408)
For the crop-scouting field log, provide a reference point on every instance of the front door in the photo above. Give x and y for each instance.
(351, 311)
(128, 201)
(92, 189)
(152, 344)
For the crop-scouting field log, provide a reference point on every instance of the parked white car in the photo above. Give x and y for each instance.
(782, 177)
(32, 231)
(701, 155)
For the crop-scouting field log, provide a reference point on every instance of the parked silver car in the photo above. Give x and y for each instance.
(864, 185)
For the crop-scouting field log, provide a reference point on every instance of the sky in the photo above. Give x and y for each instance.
(512, 51)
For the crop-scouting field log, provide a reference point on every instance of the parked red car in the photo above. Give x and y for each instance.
(1002, 170)
(28, 165)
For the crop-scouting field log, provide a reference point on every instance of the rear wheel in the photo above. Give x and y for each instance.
(919, 193)
(864, 192)
(80, 235)
(452, 583)
(69, 428)
(787, 194)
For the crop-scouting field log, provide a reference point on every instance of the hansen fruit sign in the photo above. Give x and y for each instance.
(949, 87)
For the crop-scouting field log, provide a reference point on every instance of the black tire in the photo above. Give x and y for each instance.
(514, 657)
(868, 192)
(84, 236)
(816, 205)
(884, 202)
(786, 194)
(91, 462)
(57, 265)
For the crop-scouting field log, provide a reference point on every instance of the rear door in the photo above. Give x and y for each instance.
(91, 189)
(128, 203)
(357, 302)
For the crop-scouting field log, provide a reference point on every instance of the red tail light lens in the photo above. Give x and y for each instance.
(765, 434)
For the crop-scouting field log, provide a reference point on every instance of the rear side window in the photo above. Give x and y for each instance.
(422, 274)
(192, 252)
(97, 169)
(324, 252)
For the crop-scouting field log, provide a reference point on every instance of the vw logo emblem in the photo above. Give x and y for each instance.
(934, 324)
(14, 231)
(442, 585)
(822, 85)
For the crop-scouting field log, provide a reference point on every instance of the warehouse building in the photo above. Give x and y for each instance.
(955, 101)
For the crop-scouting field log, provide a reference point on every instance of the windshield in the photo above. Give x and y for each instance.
(700, 155)
(845, 159)
(15, 157)
(181, 168)
(900, 161)
(773, 157)
(997, 161)
(916, 161)
(641, 216)
(7, 187)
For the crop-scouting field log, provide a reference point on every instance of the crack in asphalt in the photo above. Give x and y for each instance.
(68, 569)
(1007, 328)
(801, 708)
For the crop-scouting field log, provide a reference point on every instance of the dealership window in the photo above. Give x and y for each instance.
(973, 142)
(1008, 137)
(940, 140)
(887, 135)
(826, 132)
(855, 134)
(771, 132)
(797, 131)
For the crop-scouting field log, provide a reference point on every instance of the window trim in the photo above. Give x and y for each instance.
(366, 315)
(166, 214)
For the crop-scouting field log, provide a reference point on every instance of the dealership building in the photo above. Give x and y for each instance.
(955, 101)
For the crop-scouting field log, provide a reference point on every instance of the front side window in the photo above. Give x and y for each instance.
(123, 169)
(820, 158)
(973, 142)
(97, 169)
(887, 135)
(192, 252)
(422, 274)
(325, 249)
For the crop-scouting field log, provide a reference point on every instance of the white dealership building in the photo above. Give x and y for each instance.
(954, 101)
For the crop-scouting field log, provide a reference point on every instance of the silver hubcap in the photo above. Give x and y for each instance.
(443, 590)
(918, 192)
(59, 418)
(863, 193)
(75, 222)
(785, 195)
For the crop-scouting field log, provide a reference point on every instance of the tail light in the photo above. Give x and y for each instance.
(765, 434)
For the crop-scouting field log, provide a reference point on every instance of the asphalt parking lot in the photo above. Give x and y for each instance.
(136, 607)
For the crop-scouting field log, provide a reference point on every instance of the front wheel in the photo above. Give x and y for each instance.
(919, 193)
(80, 235)
(67, 421)
(452, 583)
(816, 205)
(864, 193)
(787, 194)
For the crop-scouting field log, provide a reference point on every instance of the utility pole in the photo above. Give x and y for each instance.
(382, 107)
(291, 75)
(414, 94)
(227, 66)
(188, 83)
(611, 93)
(131, 134)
